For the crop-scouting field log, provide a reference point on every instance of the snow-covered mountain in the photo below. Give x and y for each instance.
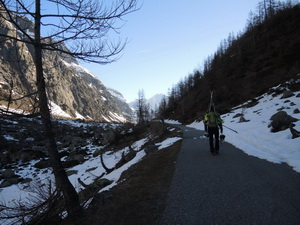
(73, 90)
(122, 103)
(153, 102)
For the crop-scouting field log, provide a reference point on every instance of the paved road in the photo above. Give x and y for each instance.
(230, 189)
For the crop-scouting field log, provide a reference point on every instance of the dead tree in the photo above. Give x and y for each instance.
(72, 28)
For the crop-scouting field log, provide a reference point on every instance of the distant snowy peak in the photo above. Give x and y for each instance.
(153, 102)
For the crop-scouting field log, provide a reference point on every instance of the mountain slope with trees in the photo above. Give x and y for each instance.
(244, 66)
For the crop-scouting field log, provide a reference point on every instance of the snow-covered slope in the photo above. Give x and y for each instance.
(123, 104)
(88, 170)
(255, 137)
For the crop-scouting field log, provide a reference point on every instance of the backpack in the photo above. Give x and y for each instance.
(212, 119)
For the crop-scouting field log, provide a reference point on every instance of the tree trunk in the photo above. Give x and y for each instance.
(62, 182)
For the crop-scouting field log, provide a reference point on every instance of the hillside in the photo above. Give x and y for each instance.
(70, 87)
(99, 158)
(131, 188)
(266, 54)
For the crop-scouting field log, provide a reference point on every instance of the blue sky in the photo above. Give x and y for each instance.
(168, 40)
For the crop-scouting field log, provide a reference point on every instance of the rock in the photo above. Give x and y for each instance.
(7, 174)
(108, 137)
(281, 121)
(238, 115)
(130, 155)
(71, 172)
(151, 149)
(243, 120)
(26, 180)
(42, 164)
(71, 142)
(126, 158)
(287, 94)
(101, 183)
(5, 184)
(295, 133)
(296, 111)
(70, 163)
(13, 180)
(79, 158)
(10, 178)
(97, 152)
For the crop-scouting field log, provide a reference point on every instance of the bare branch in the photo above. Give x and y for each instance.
(103, 165)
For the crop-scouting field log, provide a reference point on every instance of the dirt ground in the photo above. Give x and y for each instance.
(140, 197)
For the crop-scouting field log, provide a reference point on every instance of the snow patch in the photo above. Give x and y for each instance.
(255, 138)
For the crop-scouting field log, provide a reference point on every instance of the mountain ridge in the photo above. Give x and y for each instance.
(74, 89)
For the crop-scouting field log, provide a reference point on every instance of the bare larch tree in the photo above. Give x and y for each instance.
(77, 28)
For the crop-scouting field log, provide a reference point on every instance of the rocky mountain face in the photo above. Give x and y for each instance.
(72, 89)
(125, 107)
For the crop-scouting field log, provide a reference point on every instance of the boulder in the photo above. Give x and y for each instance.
(9, 178)
(97, 152)
(281, 121)
(13, 180)
(79, 158)
(108, 137)
(70, 163)
(296, 111)
(5, 184)
(42, 164)
(8, 173)
(287, 94)
(71, 142)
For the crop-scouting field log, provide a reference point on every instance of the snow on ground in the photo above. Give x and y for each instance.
(168, 142)
(256, 139)
(57, 110)
(87, 171)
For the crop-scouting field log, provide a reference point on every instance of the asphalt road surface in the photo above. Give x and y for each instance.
(231, 188)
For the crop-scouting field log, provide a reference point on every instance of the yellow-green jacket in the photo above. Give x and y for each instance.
(212, 119)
